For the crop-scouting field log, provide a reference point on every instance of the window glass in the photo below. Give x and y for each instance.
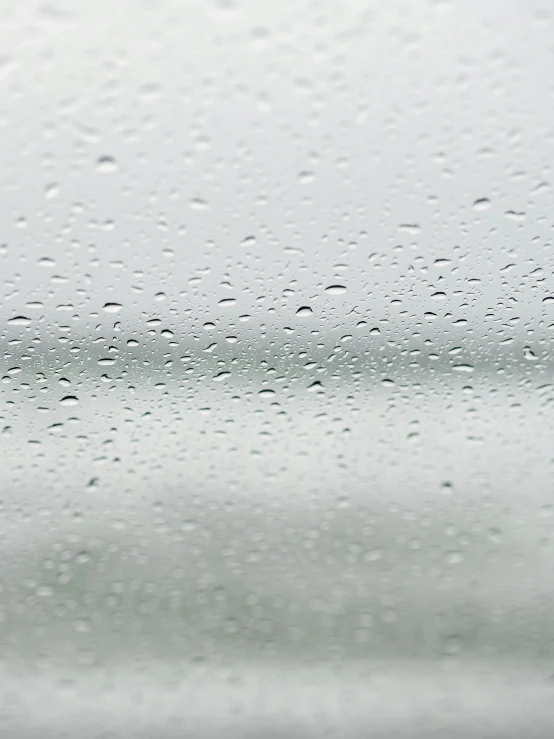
(277, 310)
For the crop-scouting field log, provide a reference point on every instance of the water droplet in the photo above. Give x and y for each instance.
(112, 307)
(221, 376)
(529, 355)
(226, 302)
(266, 392)
(317, 385)
(515, 215)
(482, 204)
(19, 321)
(198, 204)
(69, 400)
(106, 164)
(306, 177)
(304, 310)
(51, 190)
(82, 625)
(454, 558)
(335, 289)
(373, 555)
(452, 645)
(46, 262)
(549, 300)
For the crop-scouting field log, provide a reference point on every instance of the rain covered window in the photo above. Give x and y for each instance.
(276, 408)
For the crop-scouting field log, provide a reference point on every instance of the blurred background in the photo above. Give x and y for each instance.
(277, 309)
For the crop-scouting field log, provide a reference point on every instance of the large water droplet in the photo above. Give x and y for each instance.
(112, 307)
(19, 321)
(69, 400)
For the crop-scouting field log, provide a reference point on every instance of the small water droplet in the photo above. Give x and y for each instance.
(317, 385)
(482, 204)
(106, 164)
(83, 558)
(82, 625)
(529, 355)
(454, 558)
(198, 204)
(452, 645)
(51, 190)
(373, 555)
(515, 215)
(46, 262)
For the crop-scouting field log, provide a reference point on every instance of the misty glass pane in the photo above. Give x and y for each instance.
(277, 312)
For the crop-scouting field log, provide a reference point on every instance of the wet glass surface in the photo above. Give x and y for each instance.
(277, 311)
